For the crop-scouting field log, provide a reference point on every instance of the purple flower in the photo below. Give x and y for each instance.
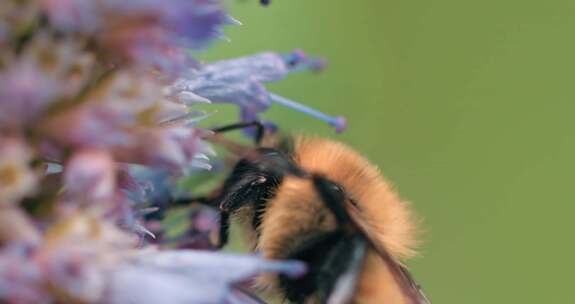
(147, 184)
(169, 148)
(20, 279)
(69, 265)
(196, 21)
(202, 228)
(17, 179)
(90, 175)
(16, 17)
(25, 91)
(3, 33)
(172, 61)
(78, 279)
(74, 15)
(189, 276)
(128, 183)
(132, 119)
(193, 23)
(17, 227)
(95, 126)
(83, 87)
(150, 33)
(240, 81)
(38, 78)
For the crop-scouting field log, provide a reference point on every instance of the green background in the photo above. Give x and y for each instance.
(467, 106)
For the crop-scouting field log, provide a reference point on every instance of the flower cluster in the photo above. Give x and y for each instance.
(95, 94)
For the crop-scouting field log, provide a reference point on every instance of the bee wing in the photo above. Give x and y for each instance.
(346, 285)
(411, 290)
(351, 220)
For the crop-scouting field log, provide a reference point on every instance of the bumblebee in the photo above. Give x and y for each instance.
(318, 201)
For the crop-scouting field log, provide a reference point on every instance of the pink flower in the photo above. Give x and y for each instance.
(20, 278)
(142, 32)
(25, 91)
(17, 179)
(172, 148)
(96, 126)
(90, 175)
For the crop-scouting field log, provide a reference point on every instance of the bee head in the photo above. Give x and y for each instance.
(255, 177)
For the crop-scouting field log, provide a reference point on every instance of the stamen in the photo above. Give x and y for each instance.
(296, 57)
(338, 122)
(298, 61)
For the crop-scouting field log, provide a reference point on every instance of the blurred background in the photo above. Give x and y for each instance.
(467, 106)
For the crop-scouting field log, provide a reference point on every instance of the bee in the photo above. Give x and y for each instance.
(319, 201)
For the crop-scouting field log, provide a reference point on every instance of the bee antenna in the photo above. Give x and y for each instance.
(260, 129)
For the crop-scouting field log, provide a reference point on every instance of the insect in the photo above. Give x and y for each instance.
(319, 201)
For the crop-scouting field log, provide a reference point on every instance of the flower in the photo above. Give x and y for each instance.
(87, 98)
(71, 272)
(90, 175)
(94, 126)
(20, 280)
(130, 117)
(189, 276)
(17, 179)
(73, 275)
(169, 148)
(69, 265)
(192, 23)
(74, 15)
(241, 81)
(17, 227)
(149, 33)
(16, 19)
(39, 78)
(25, 90)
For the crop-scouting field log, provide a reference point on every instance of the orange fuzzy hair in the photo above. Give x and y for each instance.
(297, 210)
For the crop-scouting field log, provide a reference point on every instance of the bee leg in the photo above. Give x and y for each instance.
(259, 209)
(260, 128)
(224, 229)
(224, 216)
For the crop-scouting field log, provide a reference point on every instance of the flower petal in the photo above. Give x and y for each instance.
(90, 174)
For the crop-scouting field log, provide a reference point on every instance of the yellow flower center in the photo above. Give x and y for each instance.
(9, 175)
